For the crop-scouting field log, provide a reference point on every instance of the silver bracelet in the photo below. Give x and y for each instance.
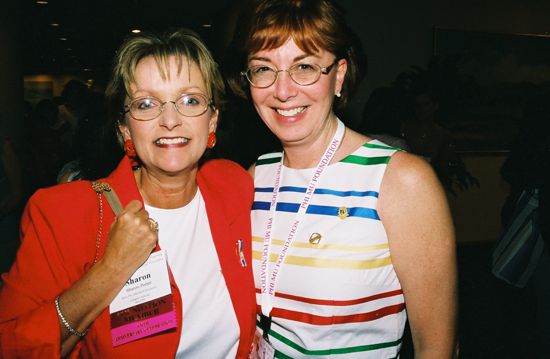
(66, 324)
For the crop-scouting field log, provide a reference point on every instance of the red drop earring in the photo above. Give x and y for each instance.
(211, 140)
(129, 149)
(131, 153)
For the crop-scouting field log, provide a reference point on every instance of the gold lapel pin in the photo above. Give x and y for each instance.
(315, 238)
(342, 212)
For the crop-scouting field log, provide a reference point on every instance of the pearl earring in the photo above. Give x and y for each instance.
(338, 94)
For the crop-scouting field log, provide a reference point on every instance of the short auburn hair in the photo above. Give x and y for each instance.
(312, 24)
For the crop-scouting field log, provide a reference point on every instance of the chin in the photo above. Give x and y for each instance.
(293, 129)
(176, 168)
(288, 138)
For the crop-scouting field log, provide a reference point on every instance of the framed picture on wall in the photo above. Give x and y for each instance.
(38, 90)
(493, 83)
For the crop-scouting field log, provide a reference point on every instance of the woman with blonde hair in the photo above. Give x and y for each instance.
(163, 273)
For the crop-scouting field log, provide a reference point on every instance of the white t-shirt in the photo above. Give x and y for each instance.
(210, 328)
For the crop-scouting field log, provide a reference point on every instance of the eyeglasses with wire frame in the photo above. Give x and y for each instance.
(303, 74)
(148, 108)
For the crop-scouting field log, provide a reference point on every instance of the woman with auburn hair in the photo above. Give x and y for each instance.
(351, 237)
(164, 273)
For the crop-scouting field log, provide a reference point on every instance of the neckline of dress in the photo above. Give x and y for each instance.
(286, 168)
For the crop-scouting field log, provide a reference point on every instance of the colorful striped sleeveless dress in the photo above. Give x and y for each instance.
(337, 294)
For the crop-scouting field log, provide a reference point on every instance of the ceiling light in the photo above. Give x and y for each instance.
(136, 31)
(206, 25)
(54, 24)
(42, 2)
(63, 38)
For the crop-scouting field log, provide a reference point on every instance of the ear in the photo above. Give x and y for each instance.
(341, 70)
(124, 131)
(213, 123)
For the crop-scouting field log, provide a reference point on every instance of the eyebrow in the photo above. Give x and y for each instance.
(154, 92)
(297, 58)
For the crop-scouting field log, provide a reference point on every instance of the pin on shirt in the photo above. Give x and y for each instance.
(343, 212)
(315, 238)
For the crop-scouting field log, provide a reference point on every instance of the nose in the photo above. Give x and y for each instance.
(285, 87)
(169, 117)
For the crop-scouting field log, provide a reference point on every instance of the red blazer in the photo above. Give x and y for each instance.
(58, 244)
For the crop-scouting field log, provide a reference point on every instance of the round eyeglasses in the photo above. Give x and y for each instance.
(303, 74)
(148, 108)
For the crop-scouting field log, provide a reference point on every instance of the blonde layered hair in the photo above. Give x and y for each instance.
(183, 44)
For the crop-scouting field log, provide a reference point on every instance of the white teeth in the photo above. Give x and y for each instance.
(291, 112)
(171, 141)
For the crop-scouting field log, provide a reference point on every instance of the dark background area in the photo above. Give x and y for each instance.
(77, 37)
(395, 35)
(496, 321)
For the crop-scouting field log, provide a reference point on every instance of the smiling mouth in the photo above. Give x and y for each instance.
(172, 141)
(291, 112)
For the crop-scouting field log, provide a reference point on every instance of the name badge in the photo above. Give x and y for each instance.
(144, 306)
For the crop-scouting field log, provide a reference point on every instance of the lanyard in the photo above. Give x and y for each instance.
(268, 281)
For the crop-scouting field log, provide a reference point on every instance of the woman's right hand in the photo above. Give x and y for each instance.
(131, 240)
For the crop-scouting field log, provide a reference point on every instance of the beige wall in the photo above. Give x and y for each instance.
(476, 212)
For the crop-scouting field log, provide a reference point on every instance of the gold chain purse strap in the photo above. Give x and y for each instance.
(114, 202)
